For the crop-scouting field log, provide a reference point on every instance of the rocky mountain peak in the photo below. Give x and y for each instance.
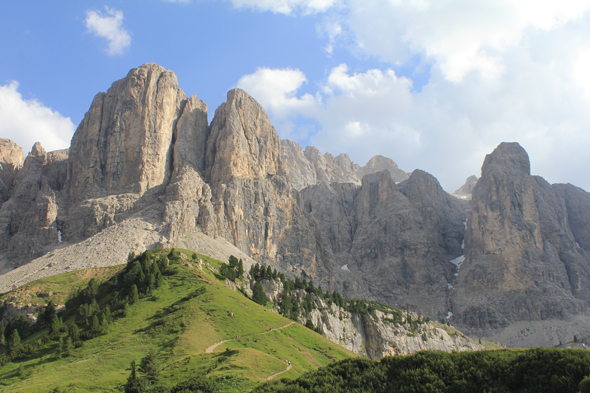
(124, 141)
(242, 142)
(38, 150)
(508, 158)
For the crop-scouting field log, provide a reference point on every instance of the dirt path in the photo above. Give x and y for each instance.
(274, 375)
(212, 347)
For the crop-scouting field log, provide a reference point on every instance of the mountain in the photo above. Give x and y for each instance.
(146, 170)
(309, 167)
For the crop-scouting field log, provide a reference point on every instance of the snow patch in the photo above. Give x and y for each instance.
(449, 314)
(345, 267)
(458, 261)
(449, 286)
(577, 245)
(59, 235)
(463, 244)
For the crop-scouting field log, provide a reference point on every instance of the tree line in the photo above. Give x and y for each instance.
(534, 370)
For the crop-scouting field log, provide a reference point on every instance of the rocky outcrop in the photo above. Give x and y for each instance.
(521, 257)
(243, 143)
(464, 192)
(11, 160)
(28, 219)
(386, 331)
(380, 163)
(124, 143)
(305, 168)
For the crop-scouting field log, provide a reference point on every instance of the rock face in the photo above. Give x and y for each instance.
(140, 110)
(385, 332)
(145, 169)
(305, 168)
(11, 160)
(521, 257)
(464, 192)
(391, 242)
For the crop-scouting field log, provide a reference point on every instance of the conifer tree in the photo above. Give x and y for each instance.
(14, 343)
(240, 269)
(149, 366)
(68, 347)
(74, 332)
(55, 325)
(159, 279)
(134, 295)
(95, 327)
(258, 295)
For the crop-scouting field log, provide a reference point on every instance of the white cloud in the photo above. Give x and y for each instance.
(110, 26)
(460, 36)
(286, 6)
(275, 90)
(29, 121)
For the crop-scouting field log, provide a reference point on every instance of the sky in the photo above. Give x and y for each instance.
(432, 84)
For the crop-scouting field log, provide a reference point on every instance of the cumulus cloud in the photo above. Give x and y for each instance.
(459, 35)
(275, 90)
(286, 6)
(109, 25)
(29, 121)
(509, 70)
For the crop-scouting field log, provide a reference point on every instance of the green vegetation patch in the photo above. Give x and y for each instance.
(534, 370)
(148, 324)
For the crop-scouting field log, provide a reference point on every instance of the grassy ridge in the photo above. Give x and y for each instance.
(179, 320)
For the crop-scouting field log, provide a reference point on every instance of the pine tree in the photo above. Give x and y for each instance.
(194, 256)
(298, 283)
(74, 332)
(14, 343)
(240, 269)
(286, 304)
(268, 274)
(55, 325)
(108, 315)
(95, 327)
(2, 340)
(159, 279)
(132, 384)
(104, 324)
(149, 366)
(258, 295)
(134, 295)
(68, 347)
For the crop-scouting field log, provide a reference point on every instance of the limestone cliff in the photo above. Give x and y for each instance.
(521, 258)
(305, 168)
(391, 243)
(383, 331)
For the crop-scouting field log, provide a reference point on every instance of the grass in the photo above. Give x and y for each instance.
(190, 312)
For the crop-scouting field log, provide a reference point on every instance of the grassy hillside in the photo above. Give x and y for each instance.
(177, 322)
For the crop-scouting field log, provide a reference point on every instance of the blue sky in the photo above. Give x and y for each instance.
(432, 84)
